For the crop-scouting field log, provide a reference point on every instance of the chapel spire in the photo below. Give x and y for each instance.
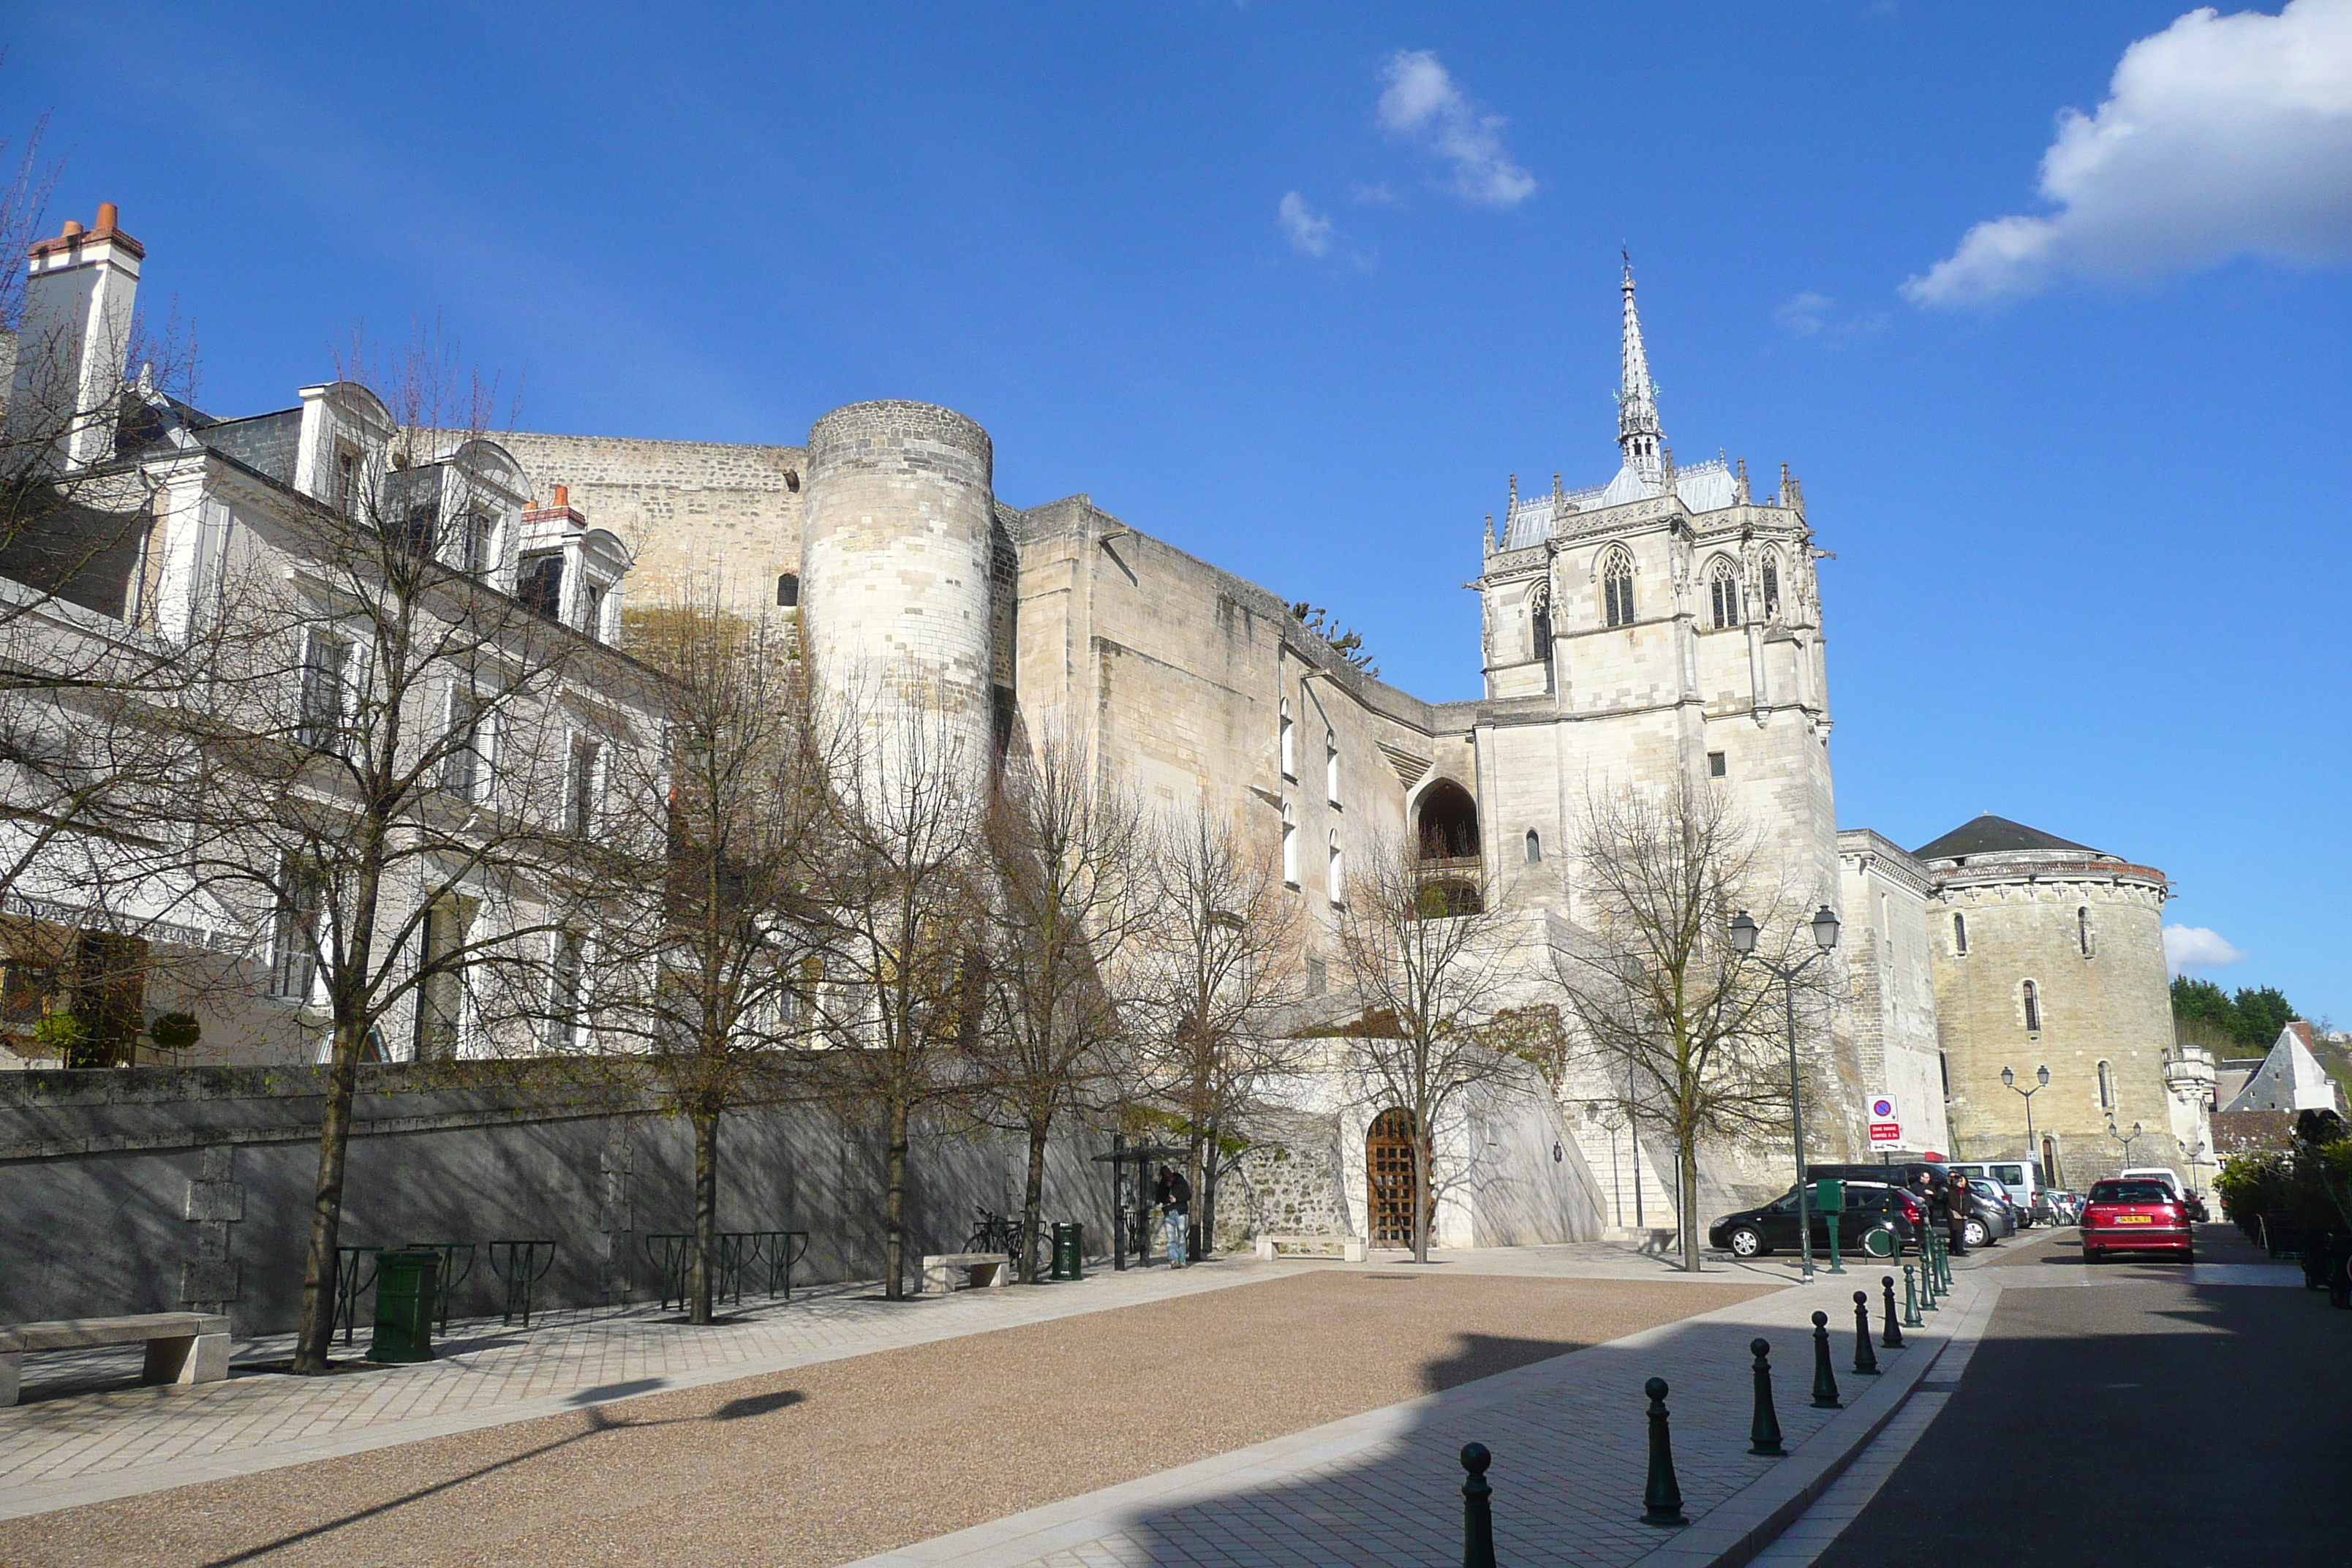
(1638, 435)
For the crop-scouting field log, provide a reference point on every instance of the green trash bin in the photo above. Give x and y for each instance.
(1069, 1250)
(406, 1298)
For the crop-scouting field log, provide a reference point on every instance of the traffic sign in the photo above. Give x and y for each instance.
(1882, 1110)
(1885, 1131)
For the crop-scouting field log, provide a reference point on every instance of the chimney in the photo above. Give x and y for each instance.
(74, 332)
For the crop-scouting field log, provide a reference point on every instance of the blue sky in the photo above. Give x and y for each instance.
(1297, 286)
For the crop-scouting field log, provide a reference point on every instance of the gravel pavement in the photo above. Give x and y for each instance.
(828, 1463)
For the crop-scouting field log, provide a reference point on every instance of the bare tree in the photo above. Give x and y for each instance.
(1066, 902)
(903, 982)
(387, 745)
(1427, 965)
(1218, 974)
(1684, 1031)
(704, 990)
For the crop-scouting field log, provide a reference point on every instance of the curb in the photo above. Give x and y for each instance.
(1734, 1532)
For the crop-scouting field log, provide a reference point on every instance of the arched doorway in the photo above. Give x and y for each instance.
(1447, 820)
(1389, 1155)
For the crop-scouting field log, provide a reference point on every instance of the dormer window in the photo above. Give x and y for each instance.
(481, 544)
(540, 585)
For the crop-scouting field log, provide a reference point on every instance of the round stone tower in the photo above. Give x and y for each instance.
(895, 560)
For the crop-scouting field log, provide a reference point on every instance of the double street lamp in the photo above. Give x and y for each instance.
(1743, 941)
(2032, 1150)
(2126, 1140)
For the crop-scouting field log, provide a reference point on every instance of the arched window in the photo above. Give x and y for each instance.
(788, 590)
(1617, 586)
(1539, 621)
(1289, 746)
(2032, 999)
(1337, 880)
(2083, 930)
(1960, 935)
(1289, 846)
(1331, 767)
(1771, 583)
(2106, 1087)
(1723, 594)
(1535, 847)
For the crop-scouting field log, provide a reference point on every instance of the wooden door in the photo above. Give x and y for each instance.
(1389, 1175)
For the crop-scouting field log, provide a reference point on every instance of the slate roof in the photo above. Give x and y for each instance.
(1990, 835)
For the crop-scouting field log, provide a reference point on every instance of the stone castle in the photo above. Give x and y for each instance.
(1668, 623)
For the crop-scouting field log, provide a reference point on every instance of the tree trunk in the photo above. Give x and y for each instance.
(1032, 1197)
(706, 1214)
(1686, 1200)
(893, 1205)
(315, 1332)
(1421, 1151)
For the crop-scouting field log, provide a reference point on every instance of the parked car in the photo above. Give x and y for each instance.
(2019, 1176)
(2066, 1206)
(1989, 1216)
(1999, 1193)
(2135, 1216)
(2165, 1173)
(1772, 1227)
(2196, 1206)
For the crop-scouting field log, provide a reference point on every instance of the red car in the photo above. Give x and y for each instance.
(2135, 1216)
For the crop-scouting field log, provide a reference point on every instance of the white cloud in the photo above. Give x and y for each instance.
(1308, 231)
(2197, 947)
(2220, 136)
(1381, 194)
(1811, 315)
(1422, 105)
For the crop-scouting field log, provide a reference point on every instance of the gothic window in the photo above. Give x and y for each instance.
(2083, 930)
(1960, 935)
(1338, 882)
(1717, 765)
(1771, 583)
(2033, 1000)
(1331, 767)
(1535, 847)
(1723, 594)
(1539, 621)
(2106, 1087)
(788, 591)
(1289, 846)
(1617, 587)
(1289, 746)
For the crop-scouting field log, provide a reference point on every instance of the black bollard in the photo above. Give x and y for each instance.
(1477, 1509)
(1661, 1499)
(1866, 1360)
(1893, 1338)
(1824, 1381)
(1764, 1432)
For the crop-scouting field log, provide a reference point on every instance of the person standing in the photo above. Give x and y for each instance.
(1175, 1195)
(1962, 1200)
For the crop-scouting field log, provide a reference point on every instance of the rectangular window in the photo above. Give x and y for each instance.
(481, 545)
(540, 585)
(325, 700)
(563, 990)
(294, 932)
(585, 784)
(465, 768)
(1716, 766)
(1316, 977)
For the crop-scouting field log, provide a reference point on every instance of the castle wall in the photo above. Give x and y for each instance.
(1889, 963)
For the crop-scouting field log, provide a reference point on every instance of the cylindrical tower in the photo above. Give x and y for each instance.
(895, 558)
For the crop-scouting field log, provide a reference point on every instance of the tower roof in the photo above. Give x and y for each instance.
(1990, 835)
(1638, 433)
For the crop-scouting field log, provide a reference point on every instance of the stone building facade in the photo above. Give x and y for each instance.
(2051, 953)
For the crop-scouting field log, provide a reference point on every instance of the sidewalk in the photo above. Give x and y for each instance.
(1569, 1437)
(81, 1448)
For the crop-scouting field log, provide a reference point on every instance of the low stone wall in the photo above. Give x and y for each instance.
(153, 1189)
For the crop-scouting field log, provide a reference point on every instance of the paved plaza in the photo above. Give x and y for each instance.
(1242, 1412)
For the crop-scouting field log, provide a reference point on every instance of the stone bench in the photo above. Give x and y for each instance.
(1350, 1249)
(942, 1269)
(181, 1347)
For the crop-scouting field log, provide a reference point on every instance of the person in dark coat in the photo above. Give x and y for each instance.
(1174, 1196)
(1960, 1200)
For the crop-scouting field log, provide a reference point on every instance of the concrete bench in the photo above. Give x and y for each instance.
(942, 1269)
(181, 1347)
(1350, 1249)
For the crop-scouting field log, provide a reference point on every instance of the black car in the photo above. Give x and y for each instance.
(1869, 1206)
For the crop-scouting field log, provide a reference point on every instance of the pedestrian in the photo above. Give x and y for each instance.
(1960, 1197)
(1175, 1195)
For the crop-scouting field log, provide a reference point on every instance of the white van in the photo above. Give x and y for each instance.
(2165, 1173)
(2018, 1175)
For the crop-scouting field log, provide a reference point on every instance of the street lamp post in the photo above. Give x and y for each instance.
(2032, 1150)
(2126, 1140)
(1743, 941)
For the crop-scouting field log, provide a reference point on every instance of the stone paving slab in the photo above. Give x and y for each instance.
(1569, 1437)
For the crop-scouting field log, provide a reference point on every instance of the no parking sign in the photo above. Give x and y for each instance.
(1883, 1128)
